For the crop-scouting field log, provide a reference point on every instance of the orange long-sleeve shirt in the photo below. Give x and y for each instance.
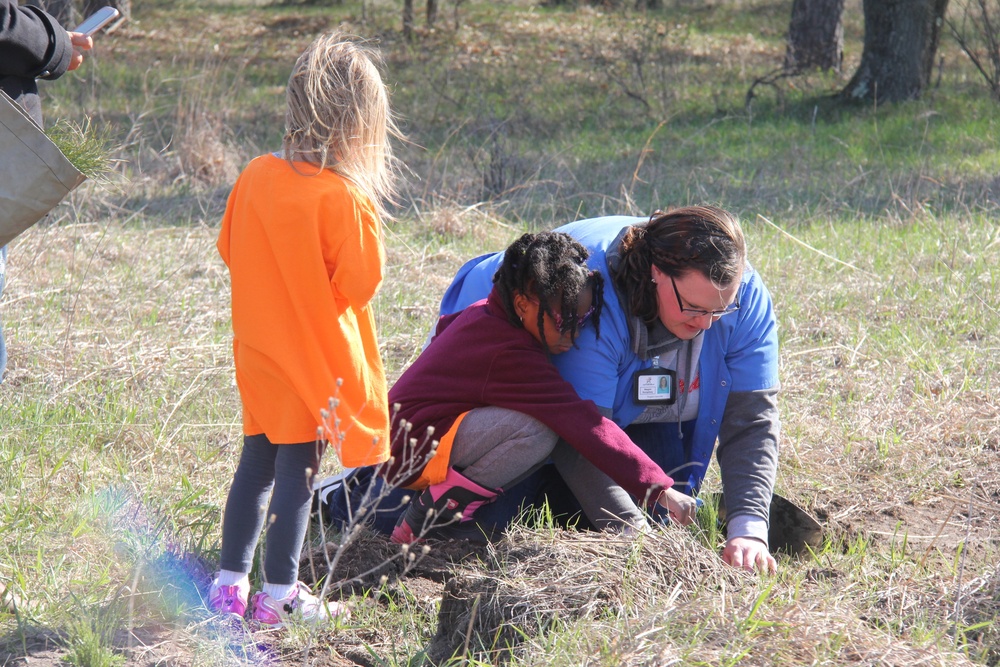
(305, 255)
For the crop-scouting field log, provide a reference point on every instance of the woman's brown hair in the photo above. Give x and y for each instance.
(705, 239)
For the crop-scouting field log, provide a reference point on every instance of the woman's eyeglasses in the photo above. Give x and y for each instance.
(698, 312)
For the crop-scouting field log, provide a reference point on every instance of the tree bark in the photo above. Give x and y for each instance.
(815, 36)
(408, 19)
(432, 12)
(91, 6)
(901, 40)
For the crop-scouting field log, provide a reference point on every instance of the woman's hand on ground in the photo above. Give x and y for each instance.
(749, 553)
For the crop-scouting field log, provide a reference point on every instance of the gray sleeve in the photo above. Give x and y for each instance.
(748, 452)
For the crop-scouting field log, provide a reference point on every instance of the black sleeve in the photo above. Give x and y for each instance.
(32, 43)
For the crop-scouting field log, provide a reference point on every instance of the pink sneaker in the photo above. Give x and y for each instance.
(300, 606)
(228, 599)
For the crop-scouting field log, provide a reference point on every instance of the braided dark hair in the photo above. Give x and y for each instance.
(552, 267)
(706, 239)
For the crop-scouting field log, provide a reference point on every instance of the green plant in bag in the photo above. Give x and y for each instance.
(87, 148)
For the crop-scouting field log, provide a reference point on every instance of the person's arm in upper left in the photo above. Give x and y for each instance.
(34, 45)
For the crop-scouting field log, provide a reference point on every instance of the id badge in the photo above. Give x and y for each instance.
(654, 386)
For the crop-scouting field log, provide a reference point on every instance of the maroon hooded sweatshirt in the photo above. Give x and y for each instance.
(479, 359)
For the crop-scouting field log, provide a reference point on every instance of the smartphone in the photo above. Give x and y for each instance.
(97, 20)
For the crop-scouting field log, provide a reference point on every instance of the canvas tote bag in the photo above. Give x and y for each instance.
(34, 174)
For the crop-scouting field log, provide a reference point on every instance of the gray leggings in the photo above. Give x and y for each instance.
(497, 448)
(288, 470)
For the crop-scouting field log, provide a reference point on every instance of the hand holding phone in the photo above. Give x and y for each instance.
(97, 20)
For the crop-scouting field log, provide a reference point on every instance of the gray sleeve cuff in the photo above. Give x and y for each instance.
(747, 525)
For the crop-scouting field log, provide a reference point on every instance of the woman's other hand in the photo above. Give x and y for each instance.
(682, 507)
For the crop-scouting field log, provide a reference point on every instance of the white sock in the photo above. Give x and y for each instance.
(230, 578)
(279, 591)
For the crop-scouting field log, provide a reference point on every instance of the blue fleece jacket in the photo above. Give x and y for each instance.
(739, 356)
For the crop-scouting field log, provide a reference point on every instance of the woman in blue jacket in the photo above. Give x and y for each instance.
(685, 305)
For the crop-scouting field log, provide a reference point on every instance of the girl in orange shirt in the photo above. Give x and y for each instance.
(302, 242)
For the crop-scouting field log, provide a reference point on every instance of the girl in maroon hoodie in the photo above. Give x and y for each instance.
(483, 407)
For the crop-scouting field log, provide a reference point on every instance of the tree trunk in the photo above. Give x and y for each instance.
(432, 12)
(815, 36)
(91, 6)
(408, 19)
(901, 40)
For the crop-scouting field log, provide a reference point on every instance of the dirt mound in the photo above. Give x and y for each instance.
(531, 579)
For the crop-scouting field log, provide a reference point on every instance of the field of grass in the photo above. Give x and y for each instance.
(875, 228)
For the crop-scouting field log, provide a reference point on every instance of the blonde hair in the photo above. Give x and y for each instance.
(338, 116)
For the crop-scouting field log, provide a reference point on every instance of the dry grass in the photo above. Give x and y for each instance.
(534, 581)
